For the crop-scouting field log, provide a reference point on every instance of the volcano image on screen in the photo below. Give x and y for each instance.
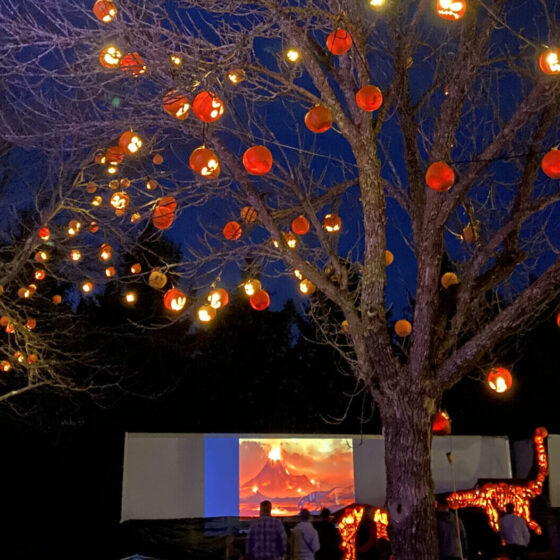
(295, 473)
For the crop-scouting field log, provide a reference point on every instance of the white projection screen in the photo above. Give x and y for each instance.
(173, 476)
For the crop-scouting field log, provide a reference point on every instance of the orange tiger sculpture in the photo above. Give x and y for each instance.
(493, 497)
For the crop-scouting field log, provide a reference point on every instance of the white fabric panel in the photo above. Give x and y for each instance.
(554, 468)
(163, 476)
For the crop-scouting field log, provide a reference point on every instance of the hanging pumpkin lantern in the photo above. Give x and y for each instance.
(56, 299)
(93, 227)
(249, 214)
(389, 258)
(306, 287)
(151, 184)
(32, 359)
(292, 55)
(440, 176)
(332, 223)
(257, 160)
(110, 57)
(205, 162)
(24, 293)
(558, 319)
(110, 271)
(130, 298)
(300, 225)
(451, 10)
(87, 286)
(75, 255)
(550, 164)
(318, 119)
(206, 313)
(104, 10)
(442, 424)
(232, 230)
(499, 379)
(5, 366)
(111, 169)
(39, 274)
(252, 286)
(260, 300)
(133, 64)
(208, 107)
(30, 324)
(403, 328)
(91, 187)
(19, 357)
(218, 298)
(236, 75)
(135, 218)
(175, 60)
(549, 61)
(298, 274)
(130, 142)
(10, 328)
(97, 201)
(157, 159)
(164, 212)
(449, 279)
(105, 252)
(114, 155)
(136, 268)
(369, 98)
(157, 279)
(467, 235)
(119, 200)
(44, 233)
(41, 256)
(339, 41)
(74, 227)
(177, 105)
(174, 300)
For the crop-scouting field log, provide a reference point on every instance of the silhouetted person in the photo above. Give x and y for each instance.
(267, 537)
(329, 538)
(451, 547)
(366, 536)
(305, 539)
(515, 534)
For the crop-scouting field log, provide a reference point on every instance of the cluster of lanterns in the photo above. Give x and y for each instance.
(131, 63)
(129, 144)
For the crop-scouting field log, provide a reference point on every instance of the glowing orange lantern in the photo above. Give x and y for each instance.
(130, 142)
(499, 379)
(75, 255)
(110, 271)
(549, 61)
(332, 223)
(249, 214)
(232, 230)
(218, 298)
(97, 201)
(449, 279)
(306, 287)
(31, 324)
(389, 258)
(74, 228)
(558, 319)
(442, 424)
(104, 10)
(339, 42)
(257, 160)
(130, 297)
(369, 98)
(468, 234)
(300, 225)
(44, 233)
(93, 227)
(157, 279)
(39, 274)
(206, 313)
(56, 299)
(403, 328)
(151, 184)
(114, 155)
(19, 357)
(105, 252)
(251, 287)
(32, 359)
(236, 75)
(91, 187)
(208, 107)
(5, 366)
(136, 268)
(41, 256)
(119, 200)
(260, 300)
(550, 164)
(87, 286)
(174, 300)
(110, 57)
(440, 176)
(318, 119)
(133, 63)
(205, 162)
(157, 159)
(451, 9)
(177, 105)
(164, 212)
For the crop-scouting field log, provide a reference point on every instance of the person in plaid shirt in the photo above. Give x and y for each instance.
(267, 538)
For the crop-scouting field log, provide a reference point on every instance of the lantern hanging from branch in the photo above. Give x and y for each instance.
(164, 212)
(44, 233)
(260, 300)
(110, 57)
(449, 279)
(130, 142)
(39, 274)
(41, 256)
(403, 328)
(442, 424)
(57, 299)
(205, 162)
(75, 255)
(550, 164)
(105, 252)
(248, 214)
(120, 200)
(499, 379)
(104, 10)
(300, 225)
(5, 366)
(177, 105)
(74, 227)
(339, 42)
(389, 258)
(208, 107)
(318, 119)
(87, 286)
(369, 98)
(332, 223)
(257, 160)
(110, 271)
(236, 75)
(136, 268)
(306, 287)
(130, 297)
(114, 155)
(292, 55)
(549, 61)
(157, 159)
(451, 9)
(206, 313)
(133, 64)
(440, 176)
(218, 298)
(232, 230)
(174, 300)
(157, 279)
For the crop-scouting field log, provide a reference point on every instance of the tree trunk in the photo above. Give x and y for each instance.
(407, 427)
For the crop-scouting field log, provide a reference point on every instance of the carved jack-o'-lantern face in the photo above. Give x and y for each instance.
(451, 9)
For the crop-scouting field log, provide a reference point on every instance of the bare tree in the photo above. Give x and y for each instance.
(465, 92)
